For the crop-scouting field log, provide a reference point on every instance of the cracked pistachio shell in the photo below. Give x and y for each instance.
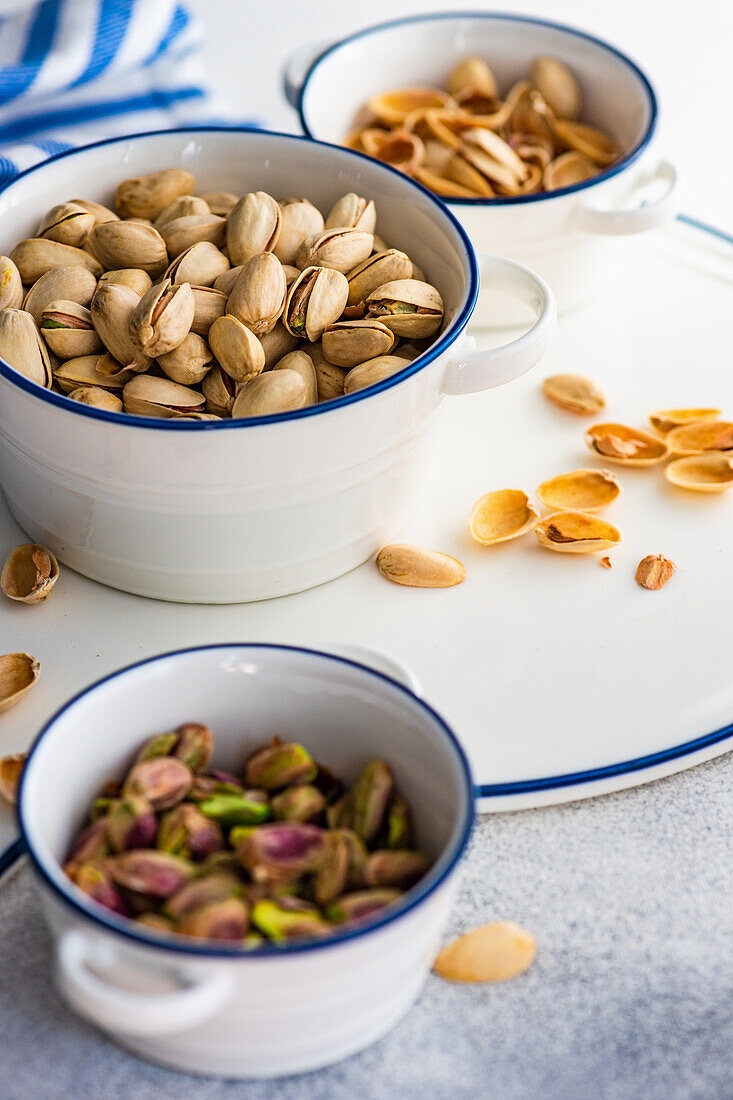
(473, 73)
(201, 264)
(18, 674)
(34, 257)
(99, 212)
(580, 490)
(84, 371)
(162, 318)
(227, 279)
(353, 211)
(181, 233)
(341, 249)
(258, 296)
(576, 533)
(408, 307)
(219, 391)
(575, 393)
(316, 299)
(394, 107)
(29, 573)
(253, 226)
(557, 86)
(97, 398)
(492, 953)
(276, 343)
(274, 392)
(183, 207)
(300, 219)
(395, 867)
(188, 363)
(208, 304)
(146, 196)
(133, 277)
(157, 874)
(593, 143)
(705, 473)
(419, 568)
(112, 308)
(163, 780)
(129, 244)
(694, 439)
(626, 446)
(66, 223)
(237, 349)
(72, 283)
(379, 268)
(220, 202)
(349, 343)
(502, 515)
(68, 330)
(11, 285)
(567, 169)
(373, 371)
(302, 363)
(665, 420)
(146, 395)
(23, 348)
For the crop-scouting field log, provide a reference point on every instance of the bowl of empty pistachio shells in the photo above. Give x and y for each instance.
(219, 370)
(536, 135)
(249, 873)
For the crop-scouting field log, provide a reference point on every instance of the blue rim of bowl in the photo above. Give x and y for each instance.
(414, 897)
(508, 200)
(131, 420)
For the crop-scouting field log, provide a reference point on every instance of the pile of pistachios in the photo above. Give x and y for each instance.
(199, 307)
(284, 853)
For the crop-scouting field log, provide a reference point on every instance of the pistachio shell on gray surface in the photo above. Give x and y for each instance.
(129, 244)
(201, 264)
(181, 233)
(146, 196)
(19, 672)
(22, 347)
(316, 299)
(68, 330)
(133, 277)
(34, 257)
(253, 226)
(270, 393)
(258, 296)
(299, 219)
(162, 318)
(341, 249)
(146, 395)
(302, 363)
(29, 573)
(72, 283)
(236, 348)
(348, 343)
(66, 223)
(188, 363)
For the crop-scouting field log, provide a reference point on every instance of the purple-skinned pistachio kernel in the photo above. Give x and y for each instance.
(157, 874)
(360, 905)
(287, 918)
(282, 850)
(281, 764)
(301, 803)
(95, 880)
(214, 782)
(332, 875)
(162, 744)
(227, 919)
(369, 796)
(195, 746)
(164, 781)
(186, 832)
(198, 892)
(91, 843)
(132, 824)
(392, 867)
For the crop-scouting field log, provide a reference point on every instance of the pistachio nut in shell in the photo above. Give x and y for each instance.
(274, 392)
(147, 395)
(220, 202)
(73, 283)
(146, 196)
(129, 244)
(474, 73)
(705, 473)
(408, 307)
(66, 223)
(576, 533)
(34, 257)
(557, 86)
(11, 770)
(627, 446)
(96, 398)
(85, 371)
(492, 953)
(202, 265)
(162, 318)
(300, 219)
(182, 207)
(181, 233)
(11, 285)
(99, 212)
(354, 211)
(580, 490)
(302, 363)
(133, 277)
(112, 309)
(665, 420)
(68, 330)
(236, 348)
(379, 268)
(278, 342)
(188, 363)
(693, 439)
(29, 573)
(329, 380)
(574, 393)
(258, 296)
(18, 674)
(22, 346)
(341, 249)
(253, 226)
(502, 515)
(225, 282)
(315, 299)
(373, 371)
(219, 391)
(349, 343)
(208, 304)
(162, 780)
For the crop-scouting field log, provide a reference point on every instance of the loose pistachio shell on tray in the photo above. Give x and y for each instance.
(11, 771)
(704, 473)
(502, 515)
(572, 532)
(692, 439)
(627, 446)
(580, 490)
(29, 574)
(665, 420)
(574, 393)
(19, 672)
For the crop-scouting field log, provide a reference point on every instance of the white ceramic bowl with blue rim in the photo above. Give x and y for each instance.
(239, 510)
(221, 1010)
(563, 235)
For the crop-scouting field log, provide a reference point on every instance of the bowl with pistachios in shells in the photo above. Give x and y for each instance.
(536, 135)
(219, 368)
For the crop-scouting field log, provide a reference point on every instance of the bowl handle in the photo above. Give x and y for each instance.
(647, 214)
(380, 662)
(296, 69)
(473, 370)
(141, 1014)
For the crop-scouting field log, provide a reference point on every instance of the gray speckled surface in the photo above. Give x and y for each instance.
(630, 898)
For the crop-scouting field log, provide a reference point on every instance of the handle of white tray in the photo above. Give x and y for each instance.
(629, 219)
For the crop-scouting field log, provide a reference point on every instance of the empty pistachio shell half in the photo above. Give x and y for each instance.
(692, 439)
(85, 371)
(705, 473)
(11, 285)
(237, 349)
(666, 419)
(97, 398)
(419, 568)
(557, 86)
(408, 307)
(596, 145)
(568, 169)
(29, 573)
(18, 673)
(11, 770)
(36, 256)
(394, 107)
(146, 196)
(474, 73)
(574, 393)
(274, 392)
(502, 515)
(627, 446)
(300, 219)
(576, 533)
(492, 953)
(146, 395)
(373, 371)
(581, 490)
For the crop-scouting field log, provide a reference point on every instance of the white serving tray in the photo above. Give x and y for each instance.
(564, 680)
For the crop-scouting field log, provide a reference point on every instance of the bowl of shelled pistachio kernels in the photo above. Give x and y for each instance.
(249, 873)
(219, 367)
(536, 135)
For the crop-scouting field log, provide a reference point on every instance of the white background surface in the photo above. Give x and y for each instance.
(683, 48)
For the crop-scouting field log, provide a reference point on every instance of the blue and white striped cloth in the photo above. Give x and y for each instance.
(75, 71)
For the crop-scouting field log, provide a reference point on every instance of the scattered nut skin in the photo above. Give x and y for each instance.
(29, 574)
(11, 769)
(653, 572)
(575, 393)
(418, 568)
(606, 563)
(491, 953)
